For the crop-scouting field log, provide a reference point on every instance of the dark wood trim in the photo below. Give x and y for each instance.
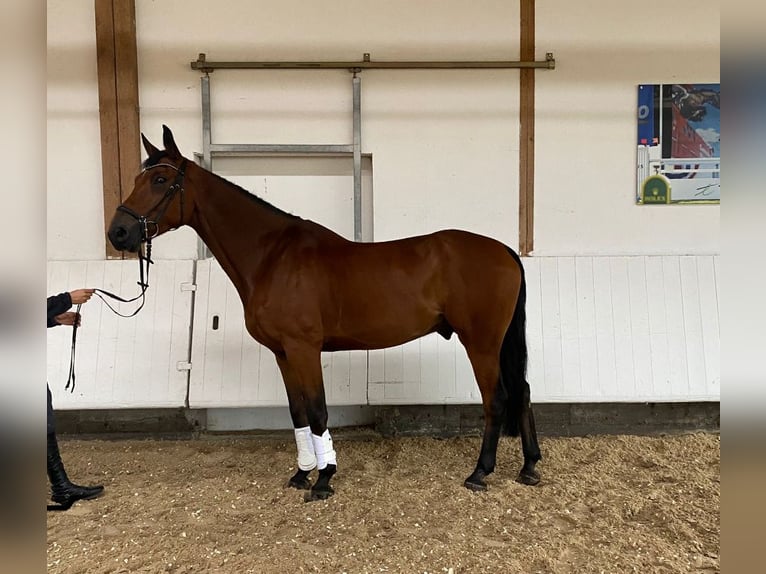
(117, 62)
(527, 131)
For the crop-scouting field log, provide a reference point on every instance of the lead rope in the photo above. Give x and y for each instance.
(71, 378)
(143, 283)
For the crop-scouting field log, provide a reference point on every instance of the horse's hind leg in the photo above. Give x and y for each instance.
(307, 460)
(529, 446)
(487, 371)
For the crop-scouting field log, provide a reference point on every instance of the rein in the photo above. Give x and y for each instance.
(144, 255)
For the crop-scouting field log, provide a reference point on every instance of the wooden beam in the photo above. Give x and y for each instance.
(126, 59)
(527, 131)
(117, 62)
(107, 113)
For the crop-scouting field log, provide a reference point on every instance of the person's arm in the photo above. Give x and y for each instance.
(58, 304)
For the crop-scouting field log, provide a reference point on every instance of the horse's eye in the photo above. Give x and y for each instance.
(159, 179)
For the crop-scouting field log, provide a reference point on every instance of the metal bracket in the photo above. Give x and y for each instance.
(188, 287)
(183, 366)
(200, 64)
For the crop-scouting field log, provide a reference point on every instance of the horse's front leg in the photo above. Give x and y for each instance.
(306, 368)
(307, 460)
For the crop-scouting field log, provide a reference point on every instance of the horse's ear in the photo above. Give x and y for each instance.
(170, 143)
(150, 149)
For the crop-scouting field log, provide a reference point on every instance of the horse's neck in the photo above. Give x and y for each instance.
(236, 228)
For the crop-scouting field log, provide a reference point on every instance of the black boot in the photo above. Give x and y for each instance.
(64, 492)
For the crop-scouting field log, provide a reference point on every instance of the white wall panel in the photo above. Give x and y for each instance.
(605, 344)
(598, 329)
(639, 326)
(123, 362)
(586, 324)
(621, 306)
(429, 370)
(711, 340)
(551, 327)
(570, 348)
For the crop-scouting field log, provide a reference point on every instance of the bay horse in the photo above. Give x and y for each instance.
(306, 289)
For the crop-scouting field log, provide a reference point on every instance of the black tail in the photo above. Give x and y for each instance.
(513, 359)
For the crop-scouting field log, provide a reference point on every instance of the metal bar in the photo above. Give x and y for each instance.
(203, 252)
(202, 64)
(245, 154)
(357, 87)
(207, 136)
(309, 149)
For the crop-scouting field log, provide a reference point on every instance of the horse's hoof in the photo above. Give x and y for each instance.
(530, 478)
(300, 480)
(299, 484)
(314, 494)
(475, 484)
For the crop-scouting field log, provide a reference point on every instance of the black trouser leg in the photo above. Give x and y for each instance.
(51, 418)
(64, 492)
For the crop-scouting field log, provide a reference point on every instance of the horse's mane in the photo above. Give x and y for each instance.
(155, 158)
(252, 197)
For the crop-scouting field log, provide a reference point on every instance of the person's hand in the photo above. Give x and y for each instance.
(80, 296)
(69, 318)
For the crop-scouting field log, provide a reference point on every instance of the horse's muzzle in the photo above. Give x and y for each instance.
(125, 235)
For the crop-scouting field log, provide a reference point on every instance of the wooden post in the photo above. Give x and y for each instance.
(117, 63)
(527, 131)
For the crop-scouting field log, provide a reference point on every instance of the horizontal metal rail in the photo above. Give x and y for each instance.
(203, 65)
(310, 149)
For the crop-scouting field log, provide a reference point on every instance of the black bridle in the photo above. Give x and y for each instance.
(144, 252)
(162, 205)
(152, 218)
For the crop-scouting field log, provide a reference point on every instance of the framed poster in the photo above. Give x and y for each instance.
(679, 144)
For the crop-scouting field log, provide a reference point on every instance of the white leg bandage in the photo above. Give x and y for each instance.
(307, 460)
(325, 453)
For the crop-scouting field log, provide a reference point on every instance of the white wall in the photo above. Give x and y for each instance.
(75, 189)
(444, 144)
(123, 362)
(441, 141)
(586, 123)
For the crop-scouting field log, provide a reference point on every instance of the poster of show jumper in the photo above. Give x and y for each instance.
(679, 144)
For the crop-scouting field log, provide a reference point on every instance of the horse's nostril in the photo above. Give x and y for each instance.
(120, 233)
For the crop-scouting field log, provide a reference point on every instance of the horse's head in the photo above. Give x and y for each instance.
(158, 201)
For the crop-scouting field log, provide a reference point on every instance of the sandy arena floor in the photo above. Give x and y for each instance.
(605, 505)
